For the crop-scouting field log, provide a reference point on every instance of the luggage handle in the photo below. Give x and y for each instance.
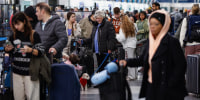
(197, 22)
(127, 87)
(51, 57)
(101, 63)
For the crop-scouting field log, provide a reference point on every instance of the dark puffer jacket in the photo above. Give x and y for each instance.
(106, 37)
(54, 35)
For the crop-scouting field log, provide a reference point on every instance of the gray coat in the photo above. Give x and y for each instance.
(54, 35)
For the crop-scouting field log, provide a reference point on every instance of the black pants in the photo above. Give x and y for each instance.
(100, 59)
(89, 63)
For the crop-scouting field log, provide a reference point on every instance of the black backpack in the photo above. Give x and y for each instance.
(193, 29)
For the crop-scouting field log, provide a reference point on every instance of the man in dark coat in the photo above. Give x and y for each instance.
(103, 41)
(53, 36)
(51, 30)
(102, 38)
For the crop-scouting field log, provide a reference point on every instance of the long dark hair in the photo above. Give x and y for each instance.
(21, 17)
(69, 14)
(144, 13)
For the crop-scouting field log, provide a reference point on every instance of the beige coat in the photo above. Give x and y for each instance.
(86, 27)
(77, 33)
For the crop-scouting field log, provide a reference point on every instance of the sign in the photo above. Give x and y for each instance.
(81, 4)
(179, 1)
(186, 1)
(138, 1)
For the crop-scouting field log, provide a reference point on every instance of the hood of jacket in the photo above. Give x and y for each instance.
(54, 17)
(154, 43)
(90, 20)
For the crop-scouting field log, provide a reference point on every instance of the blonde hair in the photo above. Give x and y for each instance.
(127, 26)
(195, 9)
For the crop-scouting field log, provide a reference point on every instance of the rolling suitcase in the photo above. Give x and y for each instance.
(65, 83)
(116, 88)
(192, 75)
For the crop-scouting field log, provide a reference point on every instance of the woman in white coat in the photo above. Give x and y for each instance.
(127, 37)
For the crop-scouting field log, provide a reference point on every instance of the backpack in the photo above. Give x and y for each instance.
(193, 29)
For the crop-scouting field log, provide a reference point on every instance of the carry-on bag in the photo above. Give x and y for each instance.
(192, 75)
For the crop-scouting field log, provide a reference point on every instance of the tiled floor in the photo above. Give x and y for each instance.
(93, 93)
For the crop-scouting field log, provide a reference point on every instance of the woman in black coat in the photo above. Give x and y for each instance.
(163, 61)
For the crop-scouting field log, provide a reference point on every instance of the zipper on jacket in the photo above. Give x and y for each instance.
(99, 33)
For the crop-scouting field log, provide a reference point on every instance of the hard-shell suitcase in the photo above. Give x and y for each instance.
(65, 83)
(192, 75)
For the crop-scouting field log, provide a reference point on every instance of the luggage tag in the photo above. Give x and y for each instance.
(74, 44)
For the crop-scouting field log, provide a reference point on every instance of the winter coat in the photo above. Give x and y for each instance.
(177, 17)
(54, 35)
(164, 65)
(168, 70)
(129, 42)
(106, 37)
(142, 30)
(178, 32)
(183, 33)
(86, 27)
(77, 33)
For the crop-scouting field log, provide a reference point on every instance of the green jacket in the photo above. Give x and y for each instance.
(143, 29)
(40, 66)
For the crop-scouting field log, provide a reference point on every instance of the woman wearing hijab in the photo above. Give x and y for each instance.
(163, 61)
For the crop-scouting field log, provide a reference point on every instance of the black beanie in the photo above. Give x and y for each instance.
(30, 11)
(160, 17)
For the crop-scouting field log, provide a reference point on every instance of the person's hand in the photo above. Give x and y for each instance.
(9, 48)
(109, 51)
(122, 63)
(26, 49)
(53, 50)
(75, 23)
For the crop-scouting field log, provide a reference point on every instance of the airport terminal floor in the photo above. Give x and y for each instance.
(93, 93)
